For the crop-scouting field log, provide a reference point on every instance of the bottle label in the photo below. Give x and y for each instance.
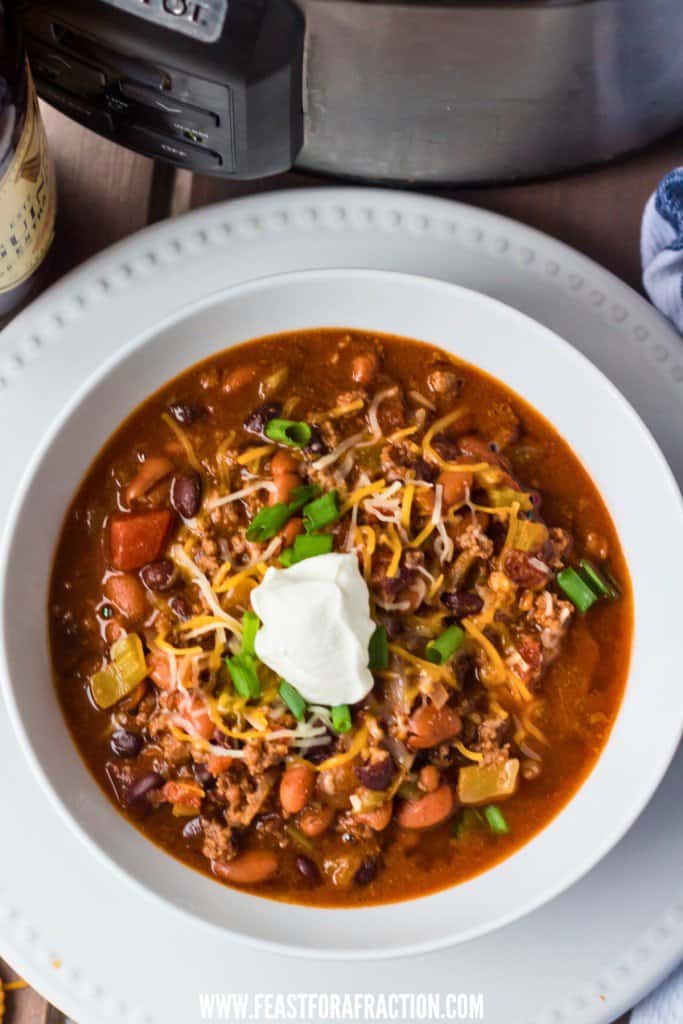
(28, 201)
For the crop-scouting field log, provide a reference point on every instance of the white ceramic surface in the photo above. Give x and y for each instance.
(601, 428)
(584, 957)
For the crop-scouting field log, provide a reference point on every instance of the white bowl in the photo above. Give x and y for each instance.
(603, 430)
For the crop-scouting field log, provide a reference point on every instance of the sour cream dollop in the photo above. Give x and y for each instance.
(316, 628)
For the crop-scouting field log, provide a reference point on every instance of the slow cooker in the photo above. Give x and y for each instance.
(448, 92)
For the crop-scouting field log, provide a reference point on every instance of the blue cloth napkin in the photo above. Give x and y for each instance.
(661, 246)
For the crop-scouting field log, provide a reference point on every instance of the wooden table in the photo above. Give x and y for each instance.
(106, 193)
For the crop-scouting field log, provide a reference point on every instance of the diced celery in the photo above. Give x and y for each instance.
(125, 671)
(482, 784)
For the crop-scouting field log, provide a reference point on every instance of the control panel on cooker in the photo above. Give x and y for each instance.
(209, 85)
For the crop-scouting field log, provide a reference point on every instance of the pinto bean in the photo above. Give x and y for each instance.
(283, 462)
(285, 483)
(429, 810)
(429, 778)
(456, 486)
(293, 528)
(237, 379)
(379, 818)
(596, 545)
(430, 726)
(315, 820)
(159, 670)
(296, 787)
(128, 594)
(249, 868)
(151, 472)
(477, 447)
(364, 368)
(444, 381)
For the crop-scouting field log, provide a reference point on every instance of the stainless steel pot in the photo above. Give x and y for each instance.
(486, 91)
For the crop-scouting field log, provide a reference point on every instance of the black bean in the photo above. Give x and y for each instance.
(423, 471)
(367, 872)
(193, 829)
(158, 575)
(446, 448)
(186, 494)
(203, 775)
(376, 774)
(180, 607)
(256, 421)
(462, 602)
(125, 744)
(316, 445)
(143, 786)
(184, 413)
(306, 867)
(320, 752)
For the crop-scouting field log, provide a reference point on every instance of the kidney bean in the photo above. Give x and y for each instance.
(429, 778)
(429, 810)
(296, 787)
(256, 421)
(184, 413)
(376, 774)
(249, 868)
(180, 607)
(462, 602)
(430, 726)
(125, 744)
(158, 575)
(367, 872)
(308, 868)
(186, 494)
(315, 820)
(193, 828)
(143, 786)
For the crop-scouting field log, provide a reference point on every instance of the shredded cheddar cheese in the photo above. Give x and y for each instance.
(184, 440)
(255, 454)
(391, 539)
(361, 492)
(357, 744)
(472, 755)
(406, 506)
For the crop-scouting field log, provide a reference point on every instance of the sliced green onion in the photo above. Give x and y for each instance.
(601, 584)
(307, 545)
(293, 699)
(268, 521)
(242, 669)
(496, 821)
(341, 718)
(321, 512)
(301, 495)
(299, 839)
(467, 820)
(378, 650)
(440, 649)
(576, 589)
(294, 433)
(286, 558)
(250, 627)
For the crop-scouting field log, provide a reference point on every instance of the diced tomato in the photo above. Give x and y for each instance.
(187, 794)
(192, 706)
(217, 763)
(138, 538)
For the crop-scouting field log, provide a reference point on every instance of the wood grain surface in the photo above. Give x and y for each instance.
(106, 193)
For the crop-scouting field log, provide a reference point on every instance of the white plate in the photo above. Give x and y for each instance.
(584, 957)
